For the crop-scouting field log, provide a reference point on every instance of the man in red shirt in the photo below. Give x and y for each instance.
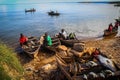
(23, 40)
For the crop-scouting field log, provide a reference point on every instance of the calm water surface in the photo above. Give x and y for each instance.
(85, 19)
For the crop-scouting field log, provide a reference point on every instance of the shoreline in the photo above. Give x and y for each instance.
(109, 47)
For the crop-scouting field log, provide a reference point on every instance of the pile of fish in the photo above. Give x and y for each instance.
(87, 67)
(74, 65)
(32, 44)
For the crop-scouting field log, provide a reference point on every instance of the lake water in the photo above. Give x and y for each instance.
(85, 19)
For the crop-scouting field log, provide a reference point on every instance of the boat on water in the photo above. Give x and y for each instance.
(30, 10)
(108, 33)
(32, 47)
(52, 13)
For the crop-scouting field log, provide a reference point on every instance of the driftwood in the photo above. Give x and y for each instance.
(63, 70)
(77, 71)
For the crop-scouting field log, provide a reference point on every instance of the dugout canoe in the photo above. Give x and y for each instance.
(108, 33)
(32, 47)
(71, 42)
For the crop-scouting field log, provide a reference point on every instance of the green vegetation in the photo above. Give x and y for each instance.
(10, 67)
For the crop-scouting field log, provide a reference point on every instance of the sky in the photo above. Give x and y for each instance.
(38, 1)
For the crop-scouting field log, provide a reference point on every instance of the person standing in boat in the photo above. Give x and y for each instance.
(47, 40)
(23, 40)
(110, 28)
(63, 34)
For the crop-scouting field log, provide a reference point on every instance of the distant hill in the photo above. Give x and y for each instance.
(111, 2)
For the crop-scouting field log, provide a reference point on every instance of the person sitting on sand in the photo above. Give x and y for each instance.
(23, 40)
(63, 34)
(47, 40)
(110, 28)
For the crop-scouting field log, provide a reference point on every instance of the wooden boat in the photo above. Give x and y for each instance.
(108, 33)
(32, 47)
(52, 13)
(30, 10)
(70, 42)
(55, 43)
(93, 73)
(63, 58)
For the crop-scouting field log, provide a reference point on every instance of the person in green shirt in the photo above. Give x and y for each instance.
(48, 40)
(72, 36)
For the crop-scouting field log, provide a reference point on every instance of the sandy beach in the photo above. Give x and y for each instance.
(109, 47)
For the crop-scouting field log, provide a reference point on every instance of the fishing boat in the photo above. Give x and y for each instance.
(32, 47)
(108, 33)
(55, 42)
(30, 10)
(70, 42)
(52, 13)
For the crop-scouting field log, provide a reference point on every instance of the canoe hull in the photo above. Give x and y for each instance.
(108, 33)
(53, 14)
(69, 43)
(31, 10)
(32, 53)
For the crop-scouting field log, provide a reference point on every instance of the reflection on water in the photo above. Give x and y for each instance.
(86, 20)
